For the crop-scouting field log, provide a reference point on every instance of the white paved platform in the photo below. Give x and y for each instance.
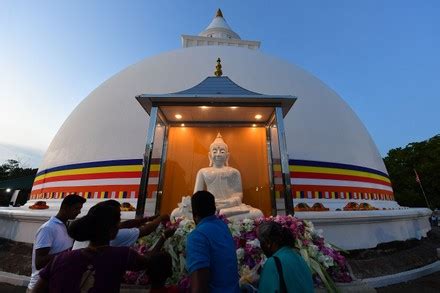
(345, 229)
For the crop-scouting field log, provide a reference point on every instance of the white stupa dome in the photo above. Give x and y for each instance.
(109, 127)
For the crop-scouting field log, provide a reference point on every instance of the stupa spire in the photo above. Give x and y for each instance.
(218, 33)
(219, 28)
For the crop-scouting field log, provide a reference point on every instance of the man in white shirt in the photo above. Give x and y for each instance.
(52, 237)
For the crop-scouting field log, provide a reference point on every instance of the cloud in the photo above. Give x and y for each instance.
(27, 156)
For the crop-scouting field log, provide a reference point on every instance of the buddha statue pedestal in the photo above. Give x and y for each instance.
(224, 183)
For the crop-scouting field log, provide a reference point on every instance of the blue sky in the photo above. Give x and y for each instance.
(382, 57)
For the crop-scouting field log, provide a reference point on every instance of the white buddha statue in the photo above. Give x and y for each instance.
(224, 182)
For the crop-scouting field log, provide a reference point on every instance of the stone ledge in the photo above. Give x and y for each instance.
(13, 279)
(365, 285)
(406, 276)
(355, 286)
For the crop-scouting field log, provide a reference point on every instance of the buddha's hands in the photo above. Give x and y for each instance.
(228, 203)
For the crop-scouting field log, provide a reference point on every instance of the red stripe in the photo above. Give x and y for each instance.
(337, 177)
(134, 174)
(277, 174)
(95, 188)
(324, 188)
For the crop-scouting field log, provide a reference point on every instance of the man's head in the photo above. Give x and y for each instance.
(71, 206)
(203, 205)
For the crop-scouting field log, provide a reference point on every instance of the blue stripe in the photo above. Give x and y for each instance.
(335, 165)
(139, 162)
(92, 165)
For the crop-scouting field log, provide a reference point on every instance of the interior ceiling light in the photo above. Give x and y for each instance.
(204, 107)
(258, 116)
(254, 125)
(183, 124)
(233, 107)
(178, 116)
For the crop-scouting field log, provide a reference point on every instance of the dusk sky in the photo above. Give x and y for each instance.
(381, 57)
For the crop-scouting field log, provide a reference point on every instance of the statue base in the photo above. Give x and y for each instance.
(240, 212)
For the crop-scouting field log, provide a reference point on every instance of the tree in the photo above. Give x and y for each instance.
(14, 169)
(425, 158)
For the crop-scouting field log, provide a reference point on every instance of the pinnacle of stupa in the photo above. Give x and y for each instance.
(219, 28)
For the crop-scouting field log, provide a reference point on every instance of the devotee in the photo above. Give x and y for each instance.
(52, 237)
(131, 230)
(285, 270)
(211, 259)
(99, 267)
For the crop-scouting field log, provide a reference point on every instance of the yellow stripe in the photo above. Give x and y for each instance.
(109, 169)
(277, 168)
(337, 171)
(155, 167)
(121, 194)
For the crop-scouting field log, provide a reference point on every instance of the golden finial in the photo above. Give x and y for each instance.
(218, 68)
(219, 13)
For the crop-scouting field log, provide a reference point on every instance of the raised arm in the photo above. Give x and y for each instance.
(166, 234)
(134, 223)
(151, 226)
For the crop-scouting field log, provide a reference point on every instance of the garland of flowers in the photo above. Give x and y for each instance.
(325, 261)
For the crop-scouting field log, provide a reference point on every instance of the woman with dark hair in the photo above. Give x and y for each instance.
(285, 270)
(99, 267)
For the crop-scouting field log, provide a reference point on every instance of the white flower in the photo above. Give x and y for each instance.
(307, 235)
(247, 221)
(325, 260)
(312, 250)
(247, 225)
(308, 224)
(254, 243)
(240, 253)
(234, 227)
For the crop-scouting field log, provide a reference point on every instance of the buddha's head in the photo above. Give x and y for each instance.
(218, 153)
